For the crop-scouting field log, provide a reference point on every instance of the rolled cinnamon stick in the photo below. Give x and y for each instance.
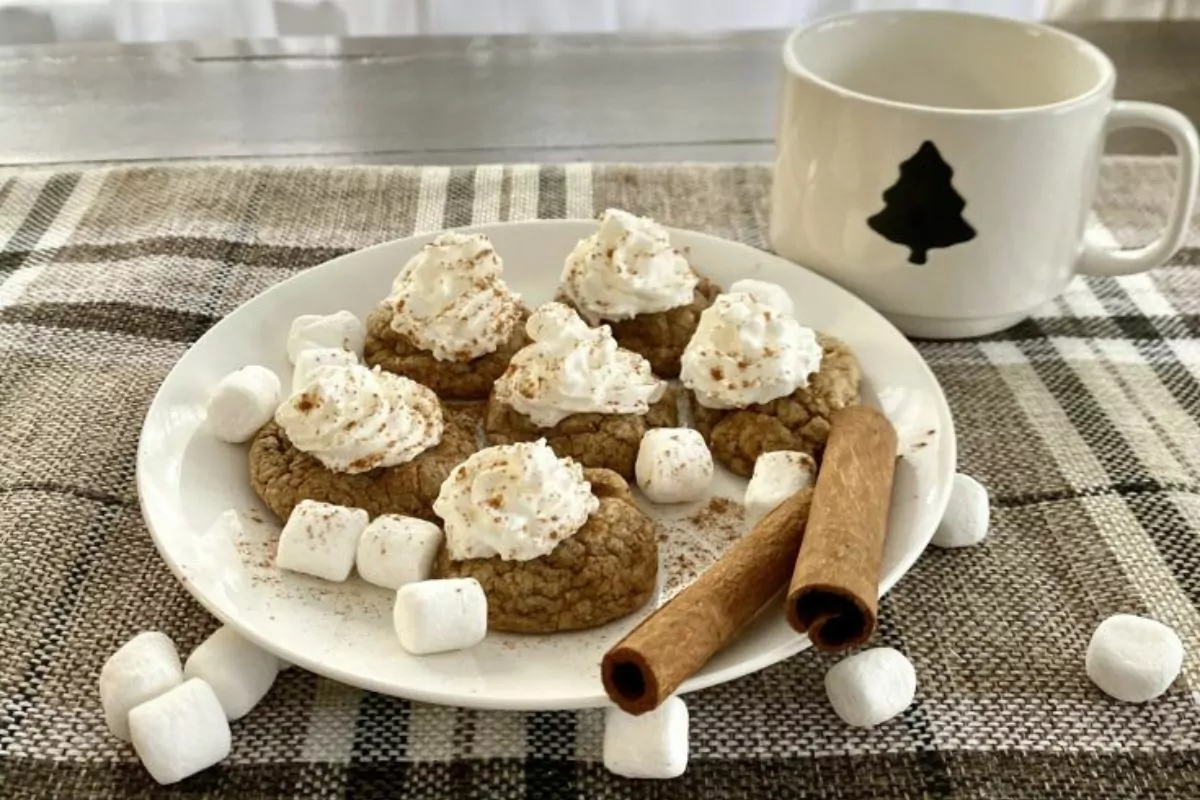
(834, 592)
(670, 645)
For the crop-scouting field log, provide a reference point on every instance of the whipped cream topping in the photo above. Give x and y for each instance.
(627, 267)
(514, 501)
(353, 419)
(745, 351)
(573, 369)
(450, 299)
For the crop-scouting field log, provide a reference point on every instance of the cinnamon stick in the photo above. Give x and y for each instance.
(674, 642)
(834, 593)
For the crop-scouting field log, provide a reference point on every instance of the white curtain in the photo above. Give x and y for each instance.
(37, 21)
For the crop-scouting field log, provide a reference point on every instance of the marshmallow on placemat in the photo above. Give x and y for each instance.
(650, 745)
(308, 360)
(1133, 658)
(777, 476)
(321, 539)
(341, 330)
(181, 732)
(966, 519)
(871, 687)
(396, 550)
(673, 465)
(242, 402)
(142, 669)
(441, 615)
(769, 294)
(241, 673)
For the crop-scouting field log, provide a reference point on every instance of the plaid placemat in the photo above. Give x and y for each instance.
(1084, 423)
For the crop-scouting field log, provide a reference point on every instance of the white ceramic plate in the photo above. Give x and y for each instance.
(187, 479)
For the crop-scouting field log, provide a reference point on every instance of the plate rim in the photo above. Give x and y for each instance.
(701, 680)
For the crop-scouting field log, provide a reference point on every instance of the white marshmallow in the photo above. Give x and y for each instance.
(396, 550)
(142, 669)
(321, 539)
(777, 476)
(871, 687)
(242, 402)
(650, 745)
(965, 522)
(673, 465)
(241, 673)
(1133, 658)
(179, 733)
(308, 360)
(436, 616)
(341, 330)
(769, 294)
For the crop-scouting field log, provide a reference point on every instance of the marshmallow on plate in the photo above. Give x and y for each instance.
(966, 519)
(241, 673)
(242, 402)
(308, 360)
(396, 550)
(650, 745)
(673, 465)
(141, 669)
(1133, 658)
(871, 687)
(179, 733)
(769, 294)
(440, 615)
(341, 330)
(777, 476)
(321, 539)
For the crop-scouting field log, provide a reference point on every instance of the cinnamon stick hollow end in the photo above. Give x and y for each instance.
(834, 618)
(629, 680)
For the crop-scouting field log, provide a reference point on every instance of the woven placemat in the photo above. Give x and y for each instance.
(1084, 423)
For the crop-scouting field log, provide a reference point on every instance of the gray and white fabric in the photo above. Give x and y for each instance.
(1084, 423)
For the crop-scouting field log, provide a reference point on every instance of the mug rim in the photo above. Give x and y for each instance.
(1102, 86)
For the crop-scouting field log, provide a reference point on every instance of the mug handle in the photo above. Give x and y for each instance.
(1099, 260)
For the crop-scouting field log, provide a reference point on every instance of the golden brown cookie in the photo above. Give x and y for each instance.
(605, 571)
(799, 421)
(282, 475)
(471, 379)
(661, 337)
(603, 441)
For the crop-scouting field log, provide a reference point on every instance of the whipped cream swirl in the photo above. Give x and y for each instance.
(516, 501)
(353, 419)
(450, 299)
(626, 268)
(745, 351)
(573, 369)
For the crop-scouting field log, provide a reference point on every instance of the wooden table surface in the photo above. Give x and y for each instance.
(456, 100)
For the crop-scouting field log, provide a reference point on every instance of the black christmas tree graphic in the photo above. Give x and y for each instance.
(921, 210)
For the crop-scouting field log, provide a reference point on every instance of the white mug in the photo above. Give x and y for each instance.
(942, 165)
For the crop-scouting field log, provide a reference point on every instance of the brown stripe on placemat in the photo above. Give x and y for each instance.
(552, 192)
(248, 253)
(54, 194)
(112, 317)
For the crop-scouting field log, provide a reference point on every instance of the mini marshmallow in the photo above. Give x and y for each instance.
(142, 669)
(179, 733)
(241, 673)
(965, 522)
(650, 745)
(341, 330)
(1133, 658)
(769, 294)
(871, 687)
(308, 360)
(242, 402)
(396, 550)
(777, 476)
(441, 615)
(321, 539)
(673, 465)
